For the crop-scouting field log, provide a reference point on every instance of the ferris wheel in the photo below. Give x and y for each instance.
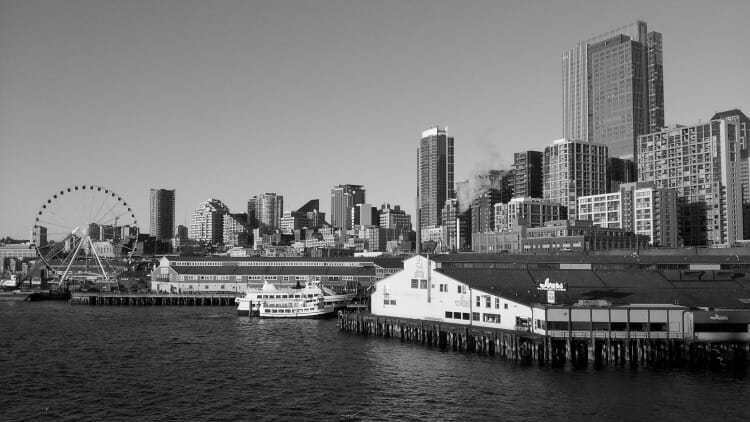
(80, 230)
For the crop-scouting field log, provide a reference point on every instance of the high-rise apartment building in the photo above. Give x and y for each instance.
(743, 124)
(573, 169)
(613, 88)
(527, 174)
(636, 207)
(343, 200)
(702, 163)
(162, 211)
(435, 174)
(269, 208)
(207, 224)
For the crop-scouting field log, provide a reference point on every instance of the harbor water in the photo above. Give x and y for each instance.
(63, 362)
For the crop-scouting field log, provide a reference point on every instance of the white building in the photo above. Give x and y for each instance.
(420, 292)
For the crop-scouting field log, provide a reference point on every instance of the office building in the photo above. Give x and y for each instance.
(613, 88)
(343, 200)
(435, 173)
(527, 174)
(394, 218)
(702, 163)
(572, 169)
(162, 211)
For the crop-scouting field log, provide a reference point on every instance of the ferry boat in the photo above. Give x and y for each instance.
(311, 300)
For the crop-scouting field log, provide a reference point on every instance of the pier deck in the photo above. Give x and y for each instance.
(530, 347)
(153, 299)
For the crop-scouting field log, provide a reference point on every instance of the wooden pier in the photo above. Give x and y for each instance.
(529, 348)
(153, 299)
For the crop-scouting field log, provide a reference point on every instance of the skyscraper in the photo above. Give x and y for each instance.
(434, 176)
(343, 200)
(269, 210)
(162, 213)
(613, 88)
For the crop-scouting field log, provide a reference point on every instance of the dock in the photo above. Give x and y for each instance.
(532, 348)
(152, 299)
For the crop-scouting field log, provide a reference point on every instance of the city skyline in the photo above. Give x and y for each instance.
(134, 96)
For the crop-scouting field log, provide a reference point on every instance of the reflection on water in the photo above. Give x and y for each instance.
(74, 362)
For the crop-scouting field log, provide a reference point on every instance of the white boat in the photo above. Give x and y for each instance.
(311, 300)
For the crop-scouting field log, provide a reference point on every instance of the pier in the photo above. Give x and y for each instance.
(153, 299)
(531, 348)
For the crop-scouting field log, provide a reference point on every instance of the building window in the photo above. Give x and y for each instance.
(488, 302)
(506, 306)
(497, 303)
(465, 316)
(422, 284)
(475, 316)
(414, 283)
(493, 318)
(479, 301)
(448, 314)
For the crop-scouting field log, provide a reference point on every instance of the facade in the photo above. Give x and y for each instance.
(220, 274)
(435, 176)
(207, 224)
(528, 174)
(235, 230)
(269, 210)
(579, 235)
(394, 218)
(702, 163)
(421, 292)
(509, 240)
(162, 211)
(483, 211)
(534, 211)
(743, 123)
(293, 220)
(39, 235)
(613, 88)
(619, 171)
(343, 200)
(573, 169)
(365, 215)
(252, 212)
(564, 300)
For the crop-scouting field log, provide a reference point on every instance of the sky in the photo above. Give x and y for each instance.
(229, 99)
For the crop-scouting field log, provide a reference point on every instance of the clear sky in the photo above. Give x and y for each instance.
(228, 99)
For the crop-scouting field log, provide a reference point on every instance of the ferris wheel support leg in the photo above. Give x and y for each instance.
(72, 260)
(98, 260)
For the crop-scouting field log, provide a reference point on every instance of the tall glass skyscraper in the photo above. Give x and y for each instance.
(613, 88)
(434, 176)
(343, 200)
(162, 213)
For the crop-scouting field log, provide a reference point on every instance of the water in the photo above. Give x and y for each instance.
(62, 362)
